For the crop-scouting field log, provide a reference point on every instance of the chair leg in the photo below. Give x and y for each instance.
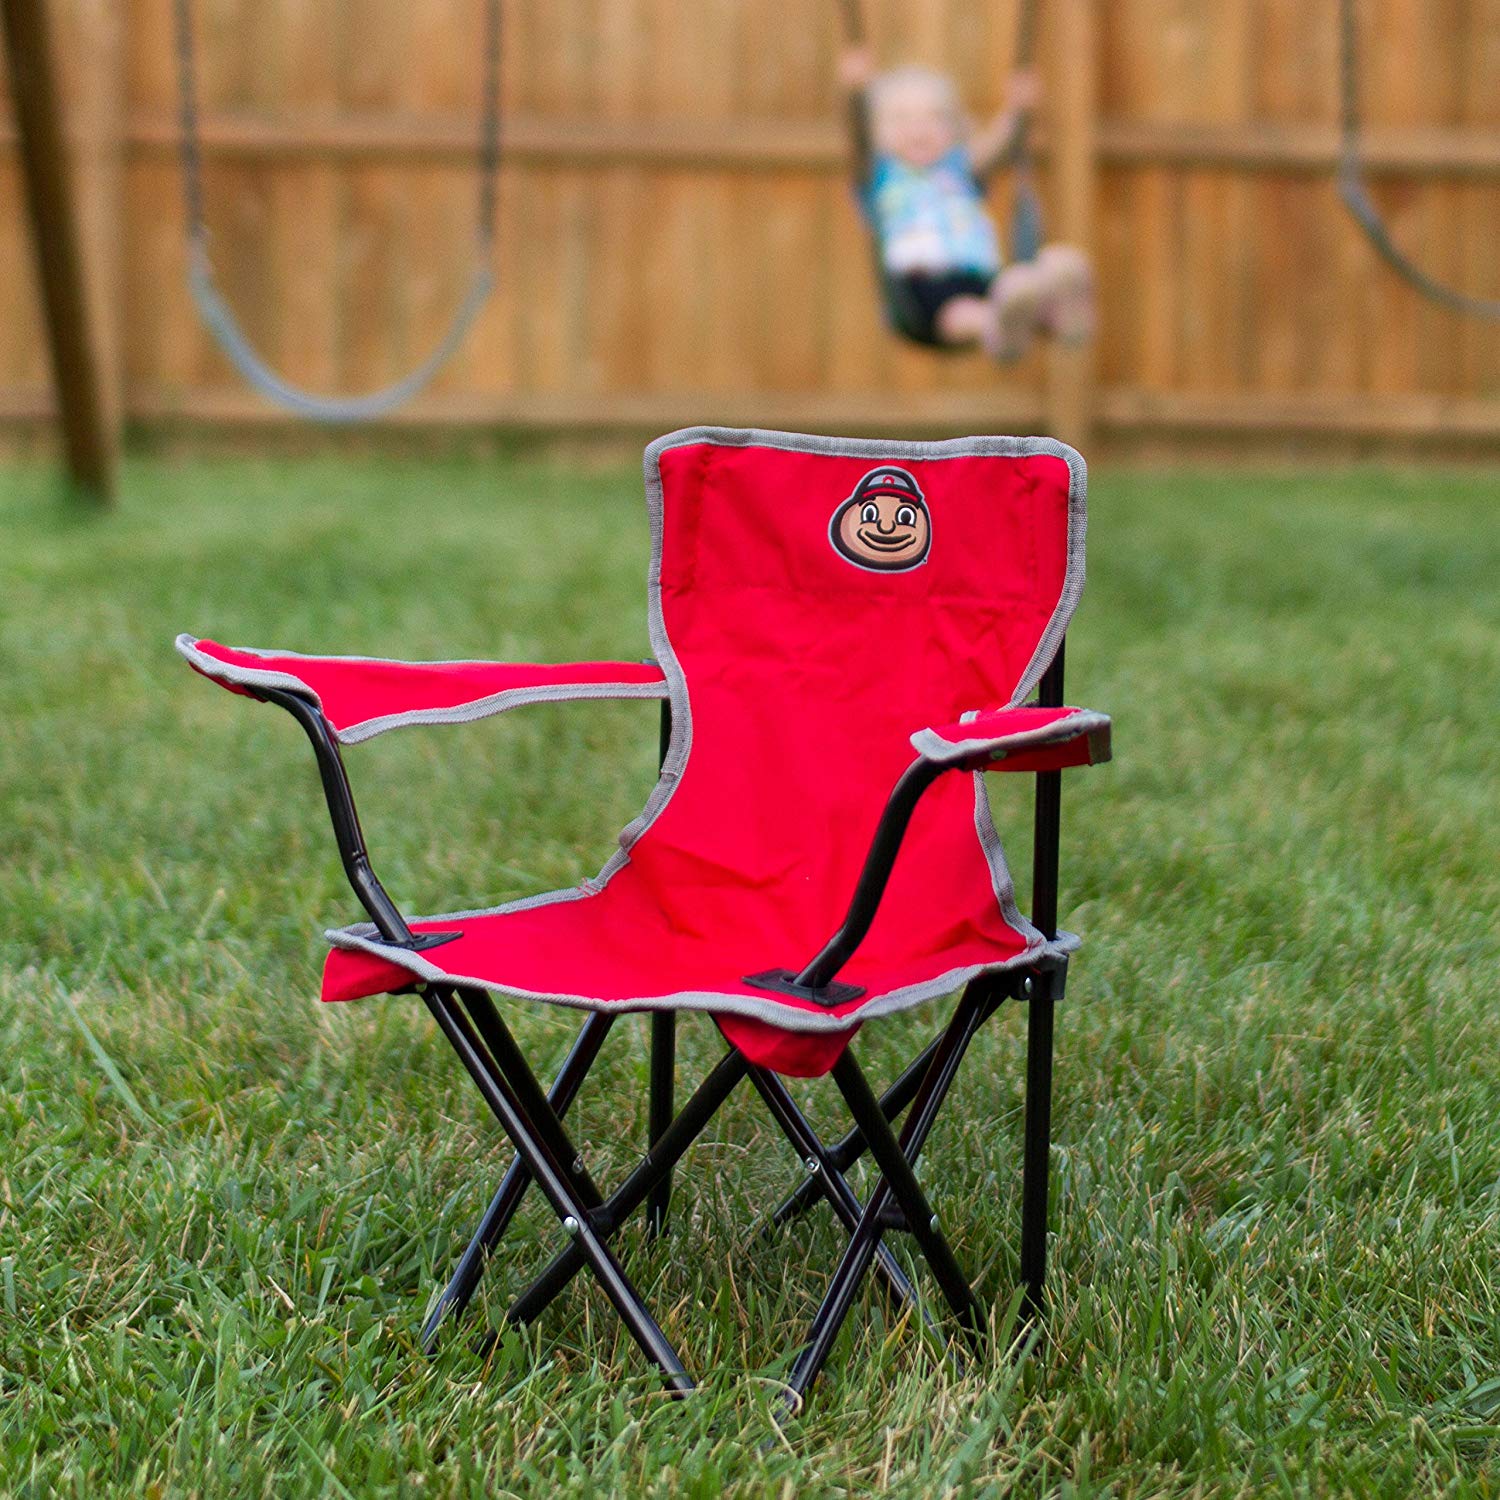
(636, 1187)
(1036, 1162)
(543, 1118)
(848, 1150)
(896, 1168)
(829, 1180)
(948, 1053)
(561, 1193)
(845, 1152)
(663, 1073)
(466, 1276)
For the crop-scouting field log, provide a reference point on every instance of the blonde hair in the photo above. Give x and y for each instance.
(939, 86)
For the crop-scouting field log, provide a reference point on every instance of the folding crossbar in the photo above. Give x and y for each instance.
(533, 1118)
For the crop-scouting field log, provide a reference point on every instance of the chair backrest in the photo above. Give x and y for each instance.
(814, 602)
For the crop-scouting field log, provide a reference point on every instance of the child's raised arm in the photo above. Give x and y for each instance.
(856, 70)
(992, 143)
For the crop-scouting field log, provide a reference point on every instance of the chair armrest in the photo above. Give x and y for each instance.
(361, 696)
(1026, 738)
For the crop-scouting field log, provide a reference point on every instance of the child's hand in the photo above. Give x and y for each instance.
(1023, 90)
(856, 67)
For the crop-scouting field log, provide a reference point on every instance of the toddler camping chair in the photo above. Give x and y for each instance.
(846, 634)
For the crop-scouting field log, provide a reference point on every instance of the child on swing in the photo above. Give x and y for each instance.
(921, 173)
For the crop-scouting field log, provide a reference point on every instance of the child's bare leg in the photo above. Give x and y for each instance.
(964, 320)
(1067, 282)
(1015, 310)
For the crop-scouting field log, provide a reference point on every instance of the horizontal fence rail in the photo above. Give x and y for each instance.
(773, 145)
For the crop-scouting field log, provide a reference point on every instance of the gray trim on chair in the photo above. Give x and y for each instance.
(366, 729)
(932, 746)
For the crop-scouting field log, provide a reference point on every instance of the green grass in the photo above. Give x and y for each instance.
(223, 1208)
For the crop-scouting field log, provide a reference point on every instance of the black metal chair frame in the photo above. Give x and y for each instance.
(532, 1117)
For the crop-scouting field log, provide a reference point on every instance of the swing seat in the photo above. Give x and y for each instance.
(831, 619)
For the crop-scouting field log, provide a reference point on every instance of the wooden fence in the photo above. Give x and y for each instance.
(678, 241)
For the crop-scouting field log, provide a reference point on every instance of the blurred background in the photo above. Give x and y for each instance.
(677, 239)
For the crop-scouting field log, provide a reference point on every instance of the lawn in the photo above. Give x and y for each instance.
(223, 1208)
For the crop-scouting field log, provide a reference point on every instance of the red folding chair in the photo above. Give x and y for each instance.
(846, 634)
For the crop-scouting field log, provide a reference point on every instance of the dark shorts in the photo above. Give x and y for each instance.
(918, 298)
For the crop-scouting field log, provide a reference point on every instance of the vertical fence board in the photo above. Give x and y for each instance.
(1070, 397)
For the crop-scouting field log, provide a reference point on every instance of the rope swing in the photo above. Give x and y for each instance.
(1027, 228)
(1356, 196)
(219, 317)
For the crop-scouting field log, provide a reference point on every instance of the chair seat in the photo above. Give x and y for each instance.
(614, 948)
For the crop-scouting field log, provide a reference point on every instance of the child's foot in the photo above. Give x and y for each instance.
(1068, 310)
(1016, 299)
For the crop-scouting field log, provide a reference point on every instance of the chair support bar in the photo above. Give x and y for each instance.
(456, 1295)
(874, 877)
(634, 1190)
(373, 896)
(1037, 1151)
(829, 1180)
(552, 1178)
(937, 1079)
(663, 1040)
(849, 1148)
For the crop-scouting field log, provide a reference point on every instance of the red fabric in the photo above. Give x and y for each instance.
(799, 1054)
(1024, 739)
(1053, 758)
(356, 691)
(349, 974)
(353, 975)
(805, 676)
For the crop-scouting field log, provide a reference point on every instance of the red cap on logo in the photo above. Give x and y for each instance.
(891, 481)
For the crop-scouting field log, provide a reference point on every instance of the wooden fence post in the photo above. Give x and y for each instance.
(88, 439)
(1073, 119)
(95, 88)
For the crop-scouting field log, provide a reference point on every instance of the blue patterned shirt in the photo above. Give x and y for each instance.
(931, 219)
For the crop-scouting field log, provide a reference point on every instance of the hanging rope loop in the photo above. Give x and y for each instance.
(852, 13)
(1356, 195)
(1027, 225)
(219, 317)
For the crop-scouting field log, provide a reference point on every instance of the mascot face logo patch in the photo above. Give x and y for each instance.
(883, 525)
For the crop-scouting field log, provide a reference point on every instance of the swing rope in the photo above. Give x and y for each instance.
(1027, 227)
(219, 317)
(1356, 196)
(853, 15)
